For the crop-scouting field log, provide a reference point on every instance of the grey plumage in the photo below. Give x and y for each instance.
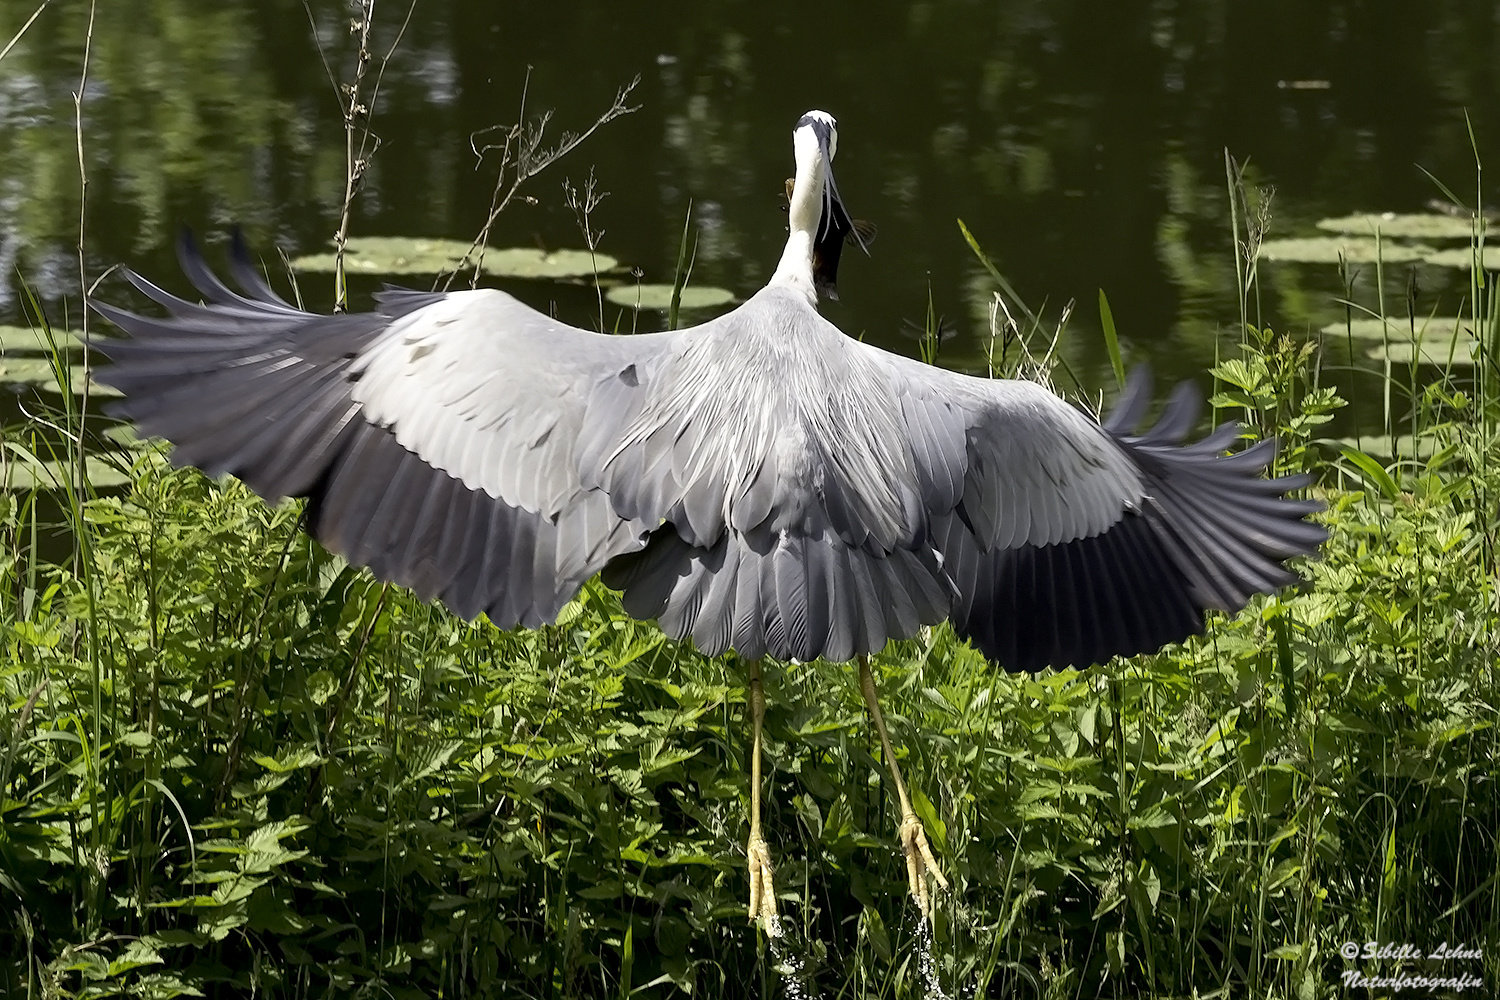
(759, 482)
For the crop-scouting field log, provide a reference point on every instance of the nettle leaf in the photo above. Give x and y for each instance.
(138, 954)
(219, 924)
(429, 759)
(270, 911)
(1244, 375)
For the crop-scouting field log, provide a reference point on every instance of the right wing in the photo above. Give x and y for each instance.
(1070, 542)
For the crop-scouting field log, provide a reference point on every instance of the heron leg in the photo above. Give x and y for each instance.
(762, 891)
(919, 858)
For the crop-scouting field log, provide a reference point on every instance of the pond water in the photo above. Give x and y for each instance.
(1083, 144)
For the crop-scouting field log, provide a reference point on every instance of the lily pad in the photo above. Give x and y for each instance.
(26, 340)
(125, 435)
(528, 262)
(1438, 351)
(394, 255)
(1398, 328)
(1383, 446)
(51, 475)
(1463, 257)
(27, 370)
(1390, 225)
(660, 296)
(1355, 249)
(38, 372)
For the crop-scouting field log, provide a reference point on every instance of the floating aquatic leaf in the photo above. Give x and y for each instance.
(126, 436)
(1390, 225)
(526, 262)
(19, 474)
(26, 340)
(1464, 257)
(1355, 249)
(38, 372)
(1381, 446)
(1398, 328)
(393, 255)
(660, 296)
(1436, 351)
(27, 370)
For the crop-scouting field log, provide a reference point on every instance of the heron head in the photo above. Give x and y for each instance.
(815, 202)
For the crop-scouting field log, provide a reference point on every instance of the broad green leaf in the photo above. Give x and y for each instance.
(292, 760)
(1111, 339)
(1372, 472)
(1154, 816)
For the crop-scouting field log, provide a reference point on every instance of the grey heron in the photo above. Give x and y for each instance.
(759, 482)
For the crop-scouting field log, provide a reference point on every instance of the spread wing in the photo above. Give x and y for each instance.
(1070, 542)
(435, 437)
(758, 482)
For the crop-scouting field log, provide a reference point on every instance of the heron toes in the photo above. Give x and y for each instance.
(762, 890)
(920, 862)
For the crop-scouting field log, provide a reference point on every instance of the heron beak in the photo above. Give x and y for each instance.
(835, 222)
(834, 227)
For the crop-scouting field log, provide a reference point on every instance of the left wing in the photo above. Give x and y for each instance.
(435, 436)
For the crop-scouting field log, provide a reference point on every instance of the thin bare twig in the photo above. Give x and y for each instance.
(583, 204)
(34, 15)
(312, 22)
(386, 59)
(523, 155)
(356, 161)
(83, 279)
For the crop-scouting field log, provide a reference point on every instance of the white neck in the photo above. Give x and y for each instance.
(803, 216)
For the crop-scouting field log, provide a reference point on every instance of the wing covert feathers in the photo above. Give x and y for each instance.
(248, 385)
(760, 483)
(1208, 532)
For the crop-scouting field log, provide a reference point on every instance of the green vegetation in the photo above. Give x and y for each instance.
(231, 763)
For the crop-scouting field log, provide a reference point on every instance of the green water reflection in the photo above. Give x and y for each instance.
(1082, 142)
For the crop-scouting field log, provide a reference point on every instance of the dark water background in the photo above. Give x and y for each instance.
(1082, 142)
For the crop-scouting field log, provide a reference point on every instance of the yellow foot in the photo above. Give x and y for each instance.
(762, 891)
(919, 862)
